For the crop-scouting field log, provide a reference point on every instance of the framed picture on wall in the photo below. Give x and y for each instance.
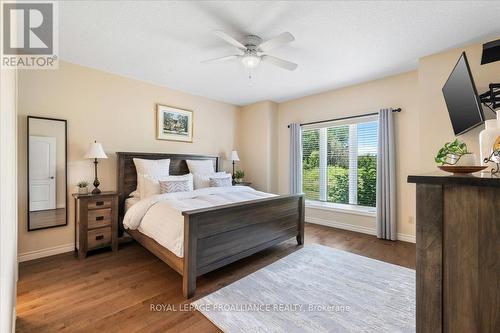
(174, 124)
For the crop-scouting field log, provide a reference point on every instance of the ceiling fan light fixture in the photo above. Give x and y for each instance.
(250, 61)
(253, 51)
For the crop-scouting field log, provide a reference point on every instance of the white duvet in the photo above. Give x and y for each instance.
(160, 216)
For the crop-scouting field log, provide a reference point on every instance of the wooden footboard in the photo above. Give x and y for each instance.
(217, 236)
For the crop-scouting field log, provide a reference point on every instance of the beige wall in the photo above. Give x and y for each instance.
(395, 91)
(435, 125)
(55, 129)
(120, 113)
(257, 144)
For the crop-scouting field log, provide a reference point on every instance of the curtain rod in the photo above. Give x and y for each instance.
(344, 118)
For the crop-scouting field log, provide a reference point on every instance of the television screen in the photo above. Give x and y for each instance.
(462, 100)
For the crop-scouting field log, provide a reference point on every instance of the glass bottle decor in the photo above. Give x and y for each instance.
(488, 138)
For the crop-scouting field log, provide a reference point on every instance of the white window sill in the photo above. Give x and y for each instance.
(342, 208)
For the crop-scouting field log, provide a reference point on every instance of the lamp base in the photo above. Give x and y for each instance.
(233, 172)
(96, 190)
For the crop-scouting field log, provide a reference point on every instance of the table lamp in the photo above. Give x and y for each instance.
(234, 157)
(95, 151)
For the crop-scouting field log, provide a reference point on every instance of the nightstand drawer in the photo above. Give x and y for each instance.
(100, 203)
(99, 218)
(99, 237)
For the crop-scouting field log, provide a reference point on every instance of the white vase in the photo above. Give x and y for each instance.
(487, 138)
(467, 160)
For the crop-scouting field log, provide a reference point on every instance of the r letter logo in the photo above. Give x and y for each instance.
(29, 34)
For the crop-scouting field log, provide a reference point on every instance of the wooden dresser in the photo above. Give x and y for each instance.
(96, 219)
(458, 253)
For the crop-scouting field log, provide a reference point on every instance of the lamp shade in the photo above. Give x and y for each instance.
(95, 151)
(234, 156)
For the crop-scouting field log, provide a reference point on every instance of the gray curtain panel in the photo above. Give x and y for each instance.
(386, 177)
(295, 159)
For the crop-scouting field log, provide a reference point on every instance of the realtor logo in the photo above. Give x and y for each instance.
(29, 35)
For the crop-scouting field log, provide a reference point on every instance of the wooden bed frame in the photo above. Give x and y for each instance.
(215, 236)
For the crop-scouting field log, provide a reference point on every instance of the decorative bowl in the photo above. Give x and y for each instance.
(462, 169)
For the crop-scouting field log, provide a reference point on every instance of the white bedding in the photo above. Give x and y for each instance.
(129, 202)
(160, 216)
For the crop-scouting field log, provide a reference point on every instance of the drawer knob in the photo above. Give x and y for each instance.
(99, 218)
(99, 203)
(99, 237)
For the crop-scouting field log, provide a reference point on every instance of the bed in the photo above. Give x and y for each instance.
(218, 235)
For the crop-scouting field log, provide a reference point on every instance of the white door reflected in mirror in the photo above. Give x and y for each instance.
(42, 173)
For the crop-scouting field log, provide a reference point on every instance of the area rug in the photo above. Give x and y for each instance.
(317, 289)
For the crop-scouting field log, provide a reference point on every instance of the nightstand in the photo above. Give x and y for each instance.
(96, 220)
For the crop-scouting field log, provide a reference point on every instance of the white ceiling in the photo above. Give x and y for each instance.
(337, 43)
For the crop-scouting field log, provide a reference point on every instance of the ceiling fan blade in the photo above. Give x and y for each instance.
(279, 40)
(279, 62)
(229, 39)
(220, 59)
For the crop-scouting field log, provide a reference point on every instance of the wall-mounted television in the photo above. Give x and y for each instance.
(462, 100)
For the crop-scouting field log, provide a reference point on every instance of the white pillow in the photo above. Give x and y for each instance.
(203, 180)
(188, 177)
(135, 193)
(152, 186)
(176, 184)
(154, 169)
(222, 181)
(200, 166)
(149, 186)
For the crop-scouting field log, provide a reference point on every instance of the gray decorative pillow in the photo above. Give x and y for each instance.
(171, 186)
(219, 181)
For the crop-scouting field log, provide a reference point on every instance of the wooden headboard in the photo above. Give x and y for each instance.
(127, 175)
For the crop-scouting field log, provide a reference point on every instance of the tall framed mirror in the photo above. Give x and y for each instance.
(47, 173)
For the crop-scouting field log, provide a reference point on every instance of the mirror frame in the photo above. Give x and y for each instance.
(28, 171)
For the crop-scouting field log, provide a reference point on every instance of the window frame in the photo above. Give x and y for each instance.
(323, 202)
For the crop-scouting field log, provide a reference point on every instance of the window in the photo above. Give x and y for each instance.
(339, 161)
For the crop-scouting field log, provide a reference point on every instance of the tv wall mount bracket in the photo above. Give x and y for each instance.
(491, 98)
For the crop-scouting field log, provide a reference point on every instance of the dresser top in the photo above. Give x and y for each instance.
(90, 195)
(445, 178)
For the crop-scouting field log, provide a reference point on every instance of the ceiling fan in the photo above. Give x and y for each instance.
(253, 50)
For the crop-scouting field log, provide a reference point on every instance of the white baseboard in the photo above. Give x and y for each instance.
(31, 255)
(340, 225)
(356, 228)
(406, 238)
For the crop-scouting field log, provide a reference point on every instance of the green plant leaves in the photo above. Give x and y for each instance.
(454, 149)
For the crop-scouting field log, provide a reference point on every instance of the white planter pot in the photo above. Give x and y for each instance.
(83, 190)
(466, 160)
(487, 138)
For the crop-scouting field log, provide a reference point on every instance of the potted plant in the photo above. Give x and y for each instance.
(455, 153)
(83, 187)
(238, 176)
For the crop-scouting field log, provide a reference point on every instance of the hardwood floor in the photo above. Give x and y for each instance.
(113, 292)
(47, 218)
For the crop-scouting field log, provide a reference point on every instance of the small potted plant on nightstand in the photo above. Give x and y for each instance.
(238, 176)
(83, 187)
